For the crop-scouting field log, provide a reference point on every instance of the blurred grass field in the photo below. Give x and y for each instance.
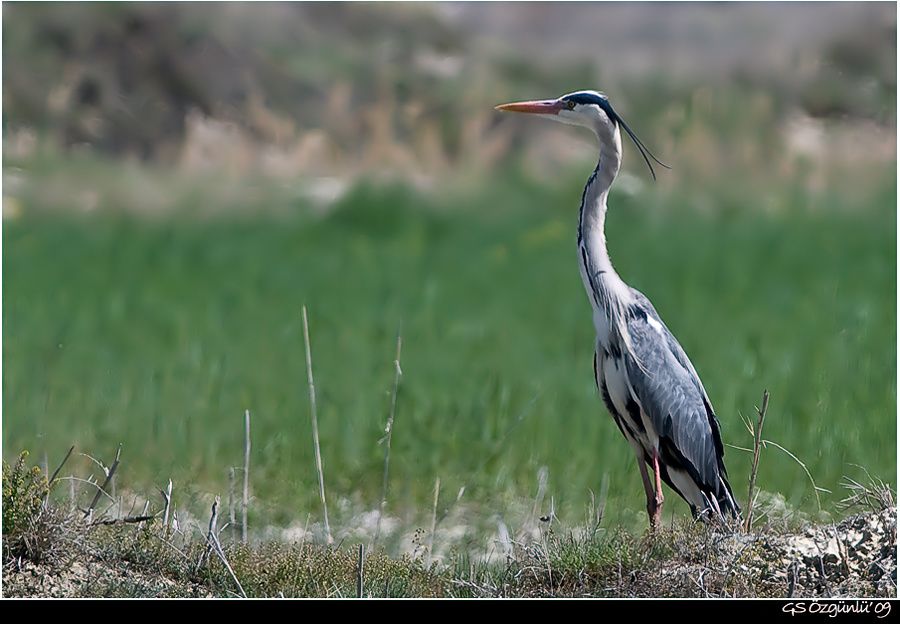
(159, 333)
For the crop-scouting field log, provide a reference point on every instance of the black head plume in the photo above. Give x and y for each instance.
(590, 97)
(641, 147)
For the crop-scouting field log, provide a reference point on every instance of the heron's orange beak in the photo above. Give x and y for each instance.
(545, 107)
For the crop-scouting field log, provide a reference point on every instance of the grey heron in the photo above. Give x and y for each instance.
(649, 385)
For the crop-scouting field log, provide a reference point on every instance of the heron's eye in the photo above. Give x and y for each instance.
(571, 105)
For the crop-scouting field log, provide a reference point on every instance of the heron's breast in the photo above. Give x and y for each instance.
(627, 406)
(614, 377)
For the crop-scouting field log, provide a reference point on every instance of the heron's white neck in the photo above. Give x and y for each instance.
(605, 289)
(592, 215)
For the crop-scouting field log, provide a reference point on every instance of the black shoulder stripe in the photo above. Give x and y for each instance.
(635, 413)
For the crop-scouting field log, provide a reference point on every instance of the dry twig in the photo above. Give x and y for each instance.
(315, 425)
(212, 539)
(109, 475)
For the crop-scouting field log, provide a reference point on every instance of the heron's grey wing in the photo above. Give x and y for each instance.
(674, 345)
(670, 393)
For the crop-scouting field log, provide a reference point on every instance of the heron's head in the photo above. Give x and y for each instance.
(590, 109)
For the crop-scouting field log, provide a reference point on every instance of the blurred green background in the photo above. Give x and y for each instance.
(179, 179)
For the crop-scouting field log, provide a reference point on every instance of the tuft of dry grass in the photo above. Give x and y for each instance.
(49, 552)
(33, 529)
(875, 496)
(854, 558)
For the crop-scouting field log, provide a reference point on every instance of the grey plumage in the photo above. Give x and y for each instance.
(668, 389)
(649, 385)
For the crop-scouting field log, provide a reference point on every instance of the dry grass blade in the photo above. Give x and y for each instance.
(315, 425)
(747, 425)
(597, 506)
(232, 516)
(204, 556)
(52, 478)
(214, 545)
(74, 479)
(245, 500)
(99, 463)
(232, 521)
(757, 445)
(437, 492)
(109, 475)
(543, 475)
(388, 433)
(167, 499)
(816, 488)
(877, 495)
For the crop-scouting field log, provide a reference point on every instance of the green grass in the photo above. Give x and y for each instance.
(158, 334)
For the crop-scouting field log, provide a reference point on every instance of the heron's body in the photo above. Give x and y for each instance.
(647, 382)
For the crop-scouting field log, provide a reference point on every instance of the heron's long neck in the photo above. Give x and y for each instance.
(607, 292)
(592, 216)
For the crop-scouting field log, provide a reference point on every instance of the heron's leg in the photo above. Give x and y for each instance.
(648, 490)
(659, 499)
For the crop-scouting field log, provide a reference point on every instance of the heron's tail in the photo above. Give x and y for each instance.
(721, 504)
(727, 503)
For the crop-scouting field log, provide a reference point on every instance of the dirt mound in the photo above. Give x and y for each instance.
(91, 578)
(854, 558)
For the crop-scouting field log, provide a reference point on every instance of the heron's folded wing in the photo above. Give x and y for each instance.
(672, 397)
